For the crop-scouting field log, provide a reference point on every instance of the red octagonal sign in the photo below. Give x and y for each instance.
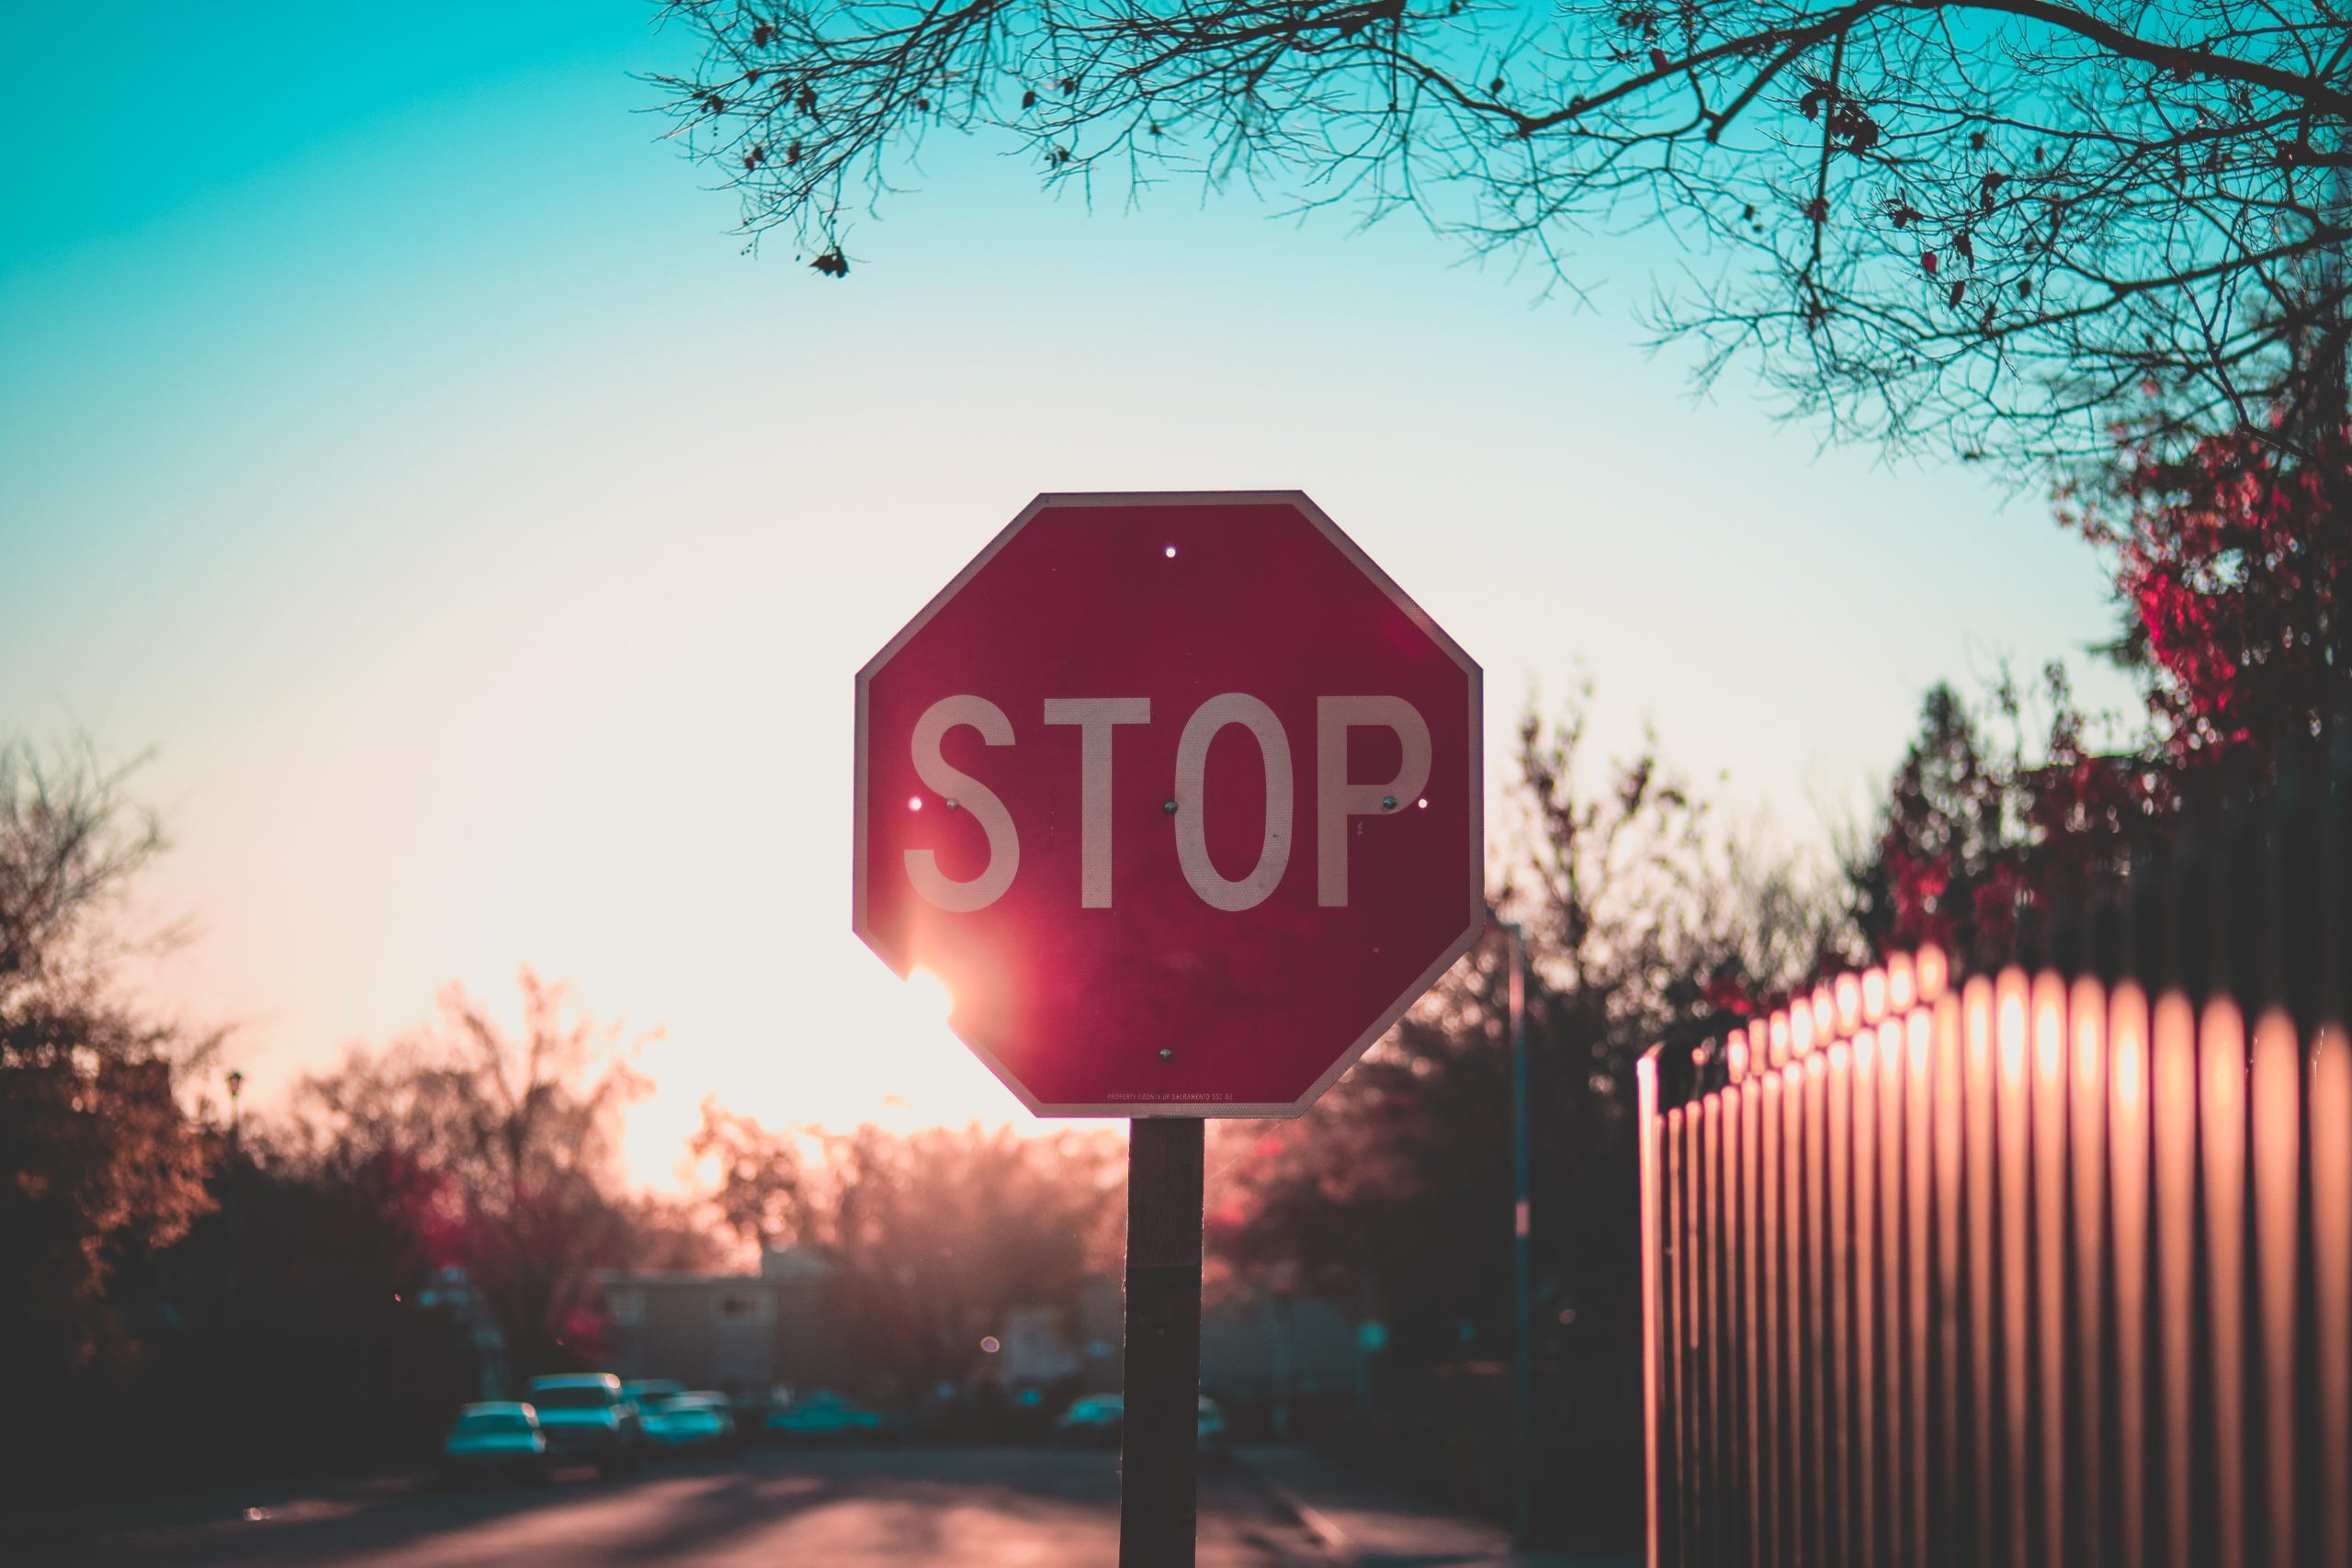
(1181, 798)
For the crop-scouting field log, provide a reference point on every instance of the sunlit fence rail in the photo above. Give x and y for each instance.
(2048, 1265)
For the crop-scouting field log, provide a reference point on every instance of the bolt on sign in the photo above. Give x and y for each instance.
(1179, 795)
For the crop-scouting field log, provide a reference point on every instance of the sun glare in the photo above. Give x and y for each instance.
(931, 1000)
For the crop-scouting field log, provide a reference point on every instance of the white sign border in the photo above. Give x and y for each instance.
(1474, 930)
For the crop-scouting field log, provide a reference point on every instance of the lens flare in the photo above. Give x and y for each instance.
(928, 995)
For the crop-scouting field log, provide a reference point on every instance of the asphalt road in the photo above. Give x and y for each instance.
(861, 1509)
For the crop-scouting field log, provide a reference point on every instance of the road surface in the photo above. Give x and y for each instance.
(889, 1509)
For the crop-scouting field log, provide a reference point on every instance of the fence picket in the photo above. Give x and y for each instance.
(2019, 1268)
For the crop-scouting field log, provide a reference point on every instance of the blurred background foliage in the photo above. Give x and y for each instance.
(196, 1296)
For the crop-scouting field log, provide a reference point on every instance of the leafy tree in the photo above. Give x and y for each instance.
(519, 1133)
(1395, 1194)
(1992, 222)
(941, 1233)
(98, 1161)
(669, 1235)
(298, 1339)
(1974, 830)
(294, 1328)
(2233, 570)
(760, 1193)
(2234, 565)
(1637, 928)
(935, 1235)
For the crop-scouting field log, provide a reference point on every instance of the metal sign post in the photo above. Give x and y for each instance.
(1158, 1496)
(1128, 928)
(1180, 798)
(1523, 1403)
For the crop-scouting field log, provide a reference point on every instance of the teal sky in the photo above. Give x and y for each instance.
(395, 439)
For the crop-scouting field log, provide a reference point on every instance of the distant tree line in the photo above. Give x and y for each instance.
(197, 1299)
(1643, 920)
(933, 1237)
(2232, 567)
(197, 1295)
(170, 1270)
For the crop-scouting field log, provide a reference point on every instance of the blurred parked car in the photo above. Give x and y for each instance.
(1211, 1436)
(648, 1391)
(687, 1423)
(1098, 1421)
(823, 1416)
(1092, 1422)
(583, 1416)
(751, 1408)
(498, 1440)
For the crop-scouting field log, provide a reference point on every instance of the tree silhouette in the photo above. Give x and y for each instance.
(1998, 224)
(98, 1162)
(517, 1134)
(760, 1193)
(1976, 829)
(2234, 566)
(938, 1235)
(1395, 1196)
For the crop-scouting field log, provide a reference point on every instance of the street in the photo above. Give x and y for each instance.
(880, 1507)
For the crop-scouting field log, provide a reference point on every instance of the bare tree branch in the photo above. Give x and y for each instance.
(2013, 228)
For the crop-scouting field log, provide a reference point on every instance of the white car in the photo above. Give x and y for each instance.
(583, 1417)
(495, 1441)
(1099, 1421)
(681, 1423)
(646, 1393)
(1091, 1423)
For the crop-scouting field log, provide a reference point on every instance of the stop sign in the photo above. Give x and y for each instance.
(1179, 795)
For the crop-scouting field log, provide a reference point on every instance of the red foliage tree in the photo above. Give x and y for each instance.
(1972, 830)
(2234, 565)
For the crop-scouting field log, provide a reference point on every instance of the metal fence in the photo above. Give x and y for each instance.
(2036, 1267)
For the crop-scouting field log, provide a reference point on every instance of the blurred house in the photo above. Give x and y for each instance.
(453, 1291)
(1276, 1350)
(1036, 1351)
(743, 1334)
(1256, 1348)
(748, 1334)
(1101, 1331)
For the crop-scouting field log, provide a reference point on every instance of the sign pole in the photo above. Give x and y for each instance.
(1523, 1404)
(1158, 1499)
(1036, 739)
